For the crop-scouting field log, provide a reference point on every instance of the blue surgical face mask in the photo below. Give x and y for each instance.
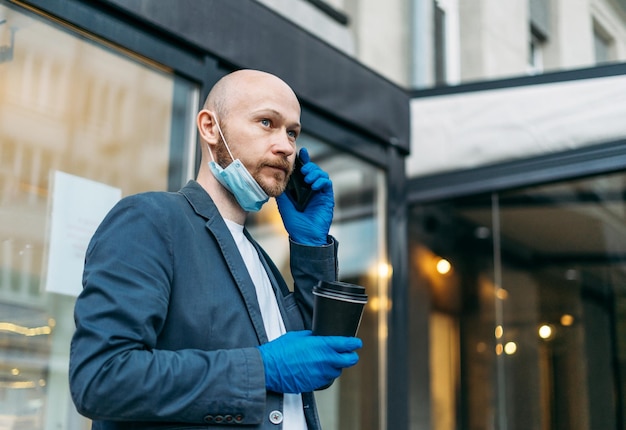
(236, 179)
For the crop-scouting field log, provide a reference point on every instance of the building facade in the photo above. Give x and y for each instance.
(477, 151)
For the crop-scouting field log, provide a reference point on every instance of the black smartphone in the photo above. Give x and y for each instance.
(298, 191)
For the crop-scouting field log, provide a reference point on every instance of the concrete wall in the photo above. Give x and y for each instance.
(494, 39)
(571, 43)
(382, 32)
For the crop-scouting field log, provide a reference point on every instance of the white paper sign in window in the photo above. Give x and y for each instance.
(78, 207)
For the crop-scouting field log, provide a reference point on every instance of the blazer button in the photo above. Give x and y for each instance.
(276, 417)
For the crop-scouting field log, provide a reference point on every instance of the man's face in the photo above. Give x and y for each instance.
(261, 127)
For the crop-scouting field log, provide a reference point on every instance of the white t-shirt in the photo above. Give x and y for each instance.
(293, 413)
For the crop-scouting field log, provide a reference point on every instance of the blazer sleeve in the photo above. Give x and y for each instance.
(309, 265)
(116, 370)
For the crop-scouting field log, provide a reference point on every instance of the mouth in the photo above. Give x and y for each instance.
(285, 167)
(278, 169)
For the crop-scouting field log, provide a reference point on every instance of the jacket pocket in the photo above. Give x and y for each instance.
(293, 312)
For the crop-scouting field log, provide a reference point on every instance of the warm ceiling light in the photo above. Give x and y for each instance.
(510, 348)
(502, 294)
(567, 320)
(24, 331)
(384, 270)
(443, 266)
(545, 331)
(499, 331)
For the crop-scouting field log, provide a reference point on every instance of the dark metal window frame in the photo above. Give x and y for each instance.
(335, 14)
(595, 159)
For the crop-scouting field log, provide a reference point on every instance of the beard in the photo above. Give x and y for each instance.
(272, 188)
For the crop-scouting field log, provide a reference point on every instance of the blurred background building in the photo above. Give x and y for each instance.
(477, 150)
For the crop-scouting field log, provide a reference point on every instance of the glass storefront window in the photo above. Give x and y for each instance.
(68, 103)
(530, 315)
(357, 399)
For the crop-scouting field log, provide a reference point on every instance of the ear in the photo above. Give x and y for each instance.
(207, 128)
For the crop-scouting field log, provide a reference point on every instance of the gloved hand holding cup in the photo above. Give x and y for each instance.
(298, 362)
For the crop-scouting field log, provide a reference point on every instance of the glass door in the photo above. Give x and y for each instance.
(531, 310)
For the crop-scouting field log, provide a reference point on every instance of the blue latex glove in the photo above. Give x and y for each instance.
(298, 362)
(310, 227)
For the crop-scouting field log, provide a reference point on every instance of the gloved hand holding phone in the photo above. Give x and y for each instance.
(311, 225)
(298, 362)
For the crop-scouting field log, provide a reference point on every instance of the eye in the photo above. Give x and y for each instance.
(265, 122)
(293, 134)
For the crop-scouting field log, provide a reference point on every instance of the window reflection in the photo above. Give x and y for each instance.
(529, 332)
(66, 104)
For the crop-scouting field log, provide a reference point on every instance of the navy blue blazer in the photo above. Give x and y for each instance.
(168, 321)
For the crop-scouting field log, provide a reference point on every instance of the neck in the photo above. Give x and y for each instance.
(226, 203)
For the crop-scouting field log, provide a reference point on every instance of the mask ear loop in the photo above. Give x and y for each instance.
(210, 152)
(219, 129)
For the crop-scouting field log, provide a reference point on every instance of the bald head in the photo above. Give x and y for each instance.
(252, 116)
(236, 88)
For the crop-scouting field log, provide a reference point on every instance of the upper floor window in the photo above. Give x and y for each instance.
(603, 44)
(535, 52)
(440, 50)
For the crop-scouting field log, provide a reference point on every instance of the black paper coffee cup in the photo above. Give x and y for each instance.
(338, 308)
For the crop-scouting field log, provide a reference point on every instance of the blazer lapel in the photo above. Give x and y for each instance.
(277, 281)
(204, 206)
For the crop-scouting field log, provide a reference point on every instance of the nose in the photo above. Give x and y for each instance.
(284, 144)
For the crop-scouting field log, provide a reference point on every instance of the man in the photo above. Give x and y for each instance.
(184, 322)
